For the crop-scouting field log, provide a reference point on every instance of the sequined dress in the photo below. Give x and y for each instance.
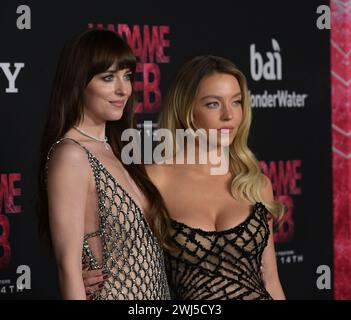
(219, 265)
(131, 254)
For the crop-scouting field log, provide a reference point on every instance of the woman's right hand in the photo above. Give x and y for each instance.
(93, 280)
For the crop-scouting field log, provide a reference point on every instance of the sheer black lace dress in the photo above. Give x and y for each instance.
(219, 265)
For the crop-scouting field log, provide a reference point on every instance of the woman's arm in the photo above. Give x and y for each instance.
(269, 263)
(67, 185)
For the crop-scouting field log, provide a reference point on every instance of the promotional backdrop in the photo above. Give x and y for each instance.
(277, 45)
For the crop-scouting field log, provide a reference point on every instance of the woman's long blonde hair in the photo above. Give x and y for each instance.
(177, 113)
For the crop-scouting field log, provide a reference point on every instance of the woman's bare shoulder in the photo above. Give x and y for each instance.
(68, 155)
(266, 189)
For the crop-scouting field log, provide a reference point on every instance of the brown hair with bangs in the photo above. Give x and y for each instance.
(85, 55)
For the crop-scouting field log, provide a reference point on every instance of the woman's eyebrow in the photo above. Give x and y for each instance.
(219, 97)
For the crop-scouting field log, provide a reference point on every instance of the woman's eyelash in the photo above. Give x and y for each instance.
(212, 104)
(216, 104)
(108, 77)
(128, 75)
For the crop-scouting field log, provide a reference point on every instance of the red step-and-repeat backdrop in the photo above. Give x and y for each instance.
(283, 49)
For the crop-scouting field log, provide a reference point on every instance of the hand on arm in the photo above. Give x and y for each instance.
(93, 280)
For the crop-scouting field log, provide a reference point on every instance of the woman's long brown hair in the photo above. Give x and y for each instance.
(85, 55)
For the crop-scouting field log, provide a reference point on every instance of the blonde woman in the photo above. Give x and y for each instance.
(220, 225)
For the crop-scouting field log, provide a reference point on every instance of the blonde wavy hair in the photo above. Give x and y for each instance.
(177, 113)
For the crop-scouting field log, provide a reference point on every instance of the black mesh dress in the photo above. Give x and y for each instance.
(219, 265)
(127, 249)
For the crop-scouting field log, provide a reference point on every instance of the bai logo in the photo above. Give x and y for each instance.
(269, 68)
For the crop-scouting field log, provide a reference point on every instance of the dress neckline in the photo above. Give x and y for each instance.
(225, 231)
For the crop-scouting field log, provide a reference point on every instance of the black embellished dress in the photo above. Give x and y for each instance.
(219, 264)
